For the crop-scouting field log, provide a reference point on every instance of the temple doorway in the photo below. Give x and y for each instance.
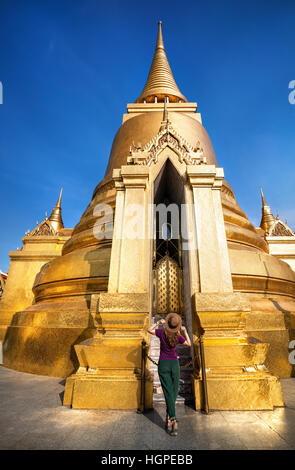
(168, 283)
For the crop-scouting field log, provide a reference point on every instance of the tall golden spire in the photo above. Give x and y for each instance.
(267, 218)
(160, 83)
(56, 218)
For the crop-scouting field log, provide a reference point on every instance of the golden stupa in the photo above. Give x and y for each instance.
(93, 303)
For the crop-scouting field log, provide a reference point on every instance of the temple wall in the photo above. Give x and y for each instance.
(24, 266)
(283, 248)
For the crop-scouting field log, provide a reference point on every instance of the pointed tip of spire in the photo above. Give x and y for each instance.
(160, 42)
(59, 199)
(160, 82)
(262, 197)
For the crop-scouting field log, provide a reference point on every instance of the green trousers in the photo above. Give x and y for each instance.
(169, 373)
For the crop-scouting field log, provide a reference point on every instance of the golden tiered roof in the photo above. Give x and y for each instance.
(51, 226)
(160, 83)
(273, 227)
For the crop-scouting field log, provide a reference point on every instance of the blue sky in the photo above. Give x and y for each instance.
(69, 67)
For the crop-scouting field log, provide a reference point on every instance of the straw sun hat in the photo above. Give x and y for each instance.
(173, 322)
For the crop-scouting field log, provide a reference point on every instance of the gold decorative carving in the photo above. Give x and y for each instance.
(43, 229)
(279, 229)
(167, 136)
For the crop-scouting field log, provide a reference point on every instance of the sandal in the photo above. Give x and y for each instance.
(168, 424)
(174, 431)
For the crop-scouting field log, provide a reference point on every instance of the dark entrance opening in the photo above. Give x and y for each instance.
(168, 286)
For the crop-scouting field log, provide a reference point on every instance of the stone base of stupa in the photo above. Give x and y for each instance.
(236, 375)
(109, 373)
(89, 390)
(239, 390)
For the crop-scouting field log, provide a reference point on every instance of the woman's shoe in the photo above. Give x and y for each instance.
(168, 424)
(174, 431)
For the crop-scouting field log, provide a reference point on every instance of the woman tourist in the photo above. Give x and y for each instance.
(168, 367)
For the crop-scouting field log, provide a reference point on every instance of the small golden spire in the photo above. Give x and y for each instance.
(267, 219)
(165, 114)
(160, 83)
(165, 122)
(56, 218)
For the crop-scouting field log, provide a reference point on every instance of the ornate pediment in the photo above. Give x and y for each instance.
(279, 229)
(166, 137)
(42, 230)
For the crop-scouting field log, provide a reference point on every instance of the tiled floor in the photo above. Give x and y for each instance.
(32, 417)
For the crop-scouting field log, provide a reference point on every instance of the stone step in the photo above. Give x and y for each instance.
(162, 399)
(179, 399)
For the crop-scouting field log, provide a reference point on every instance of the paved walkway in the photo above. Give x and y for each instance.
(32, 417)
